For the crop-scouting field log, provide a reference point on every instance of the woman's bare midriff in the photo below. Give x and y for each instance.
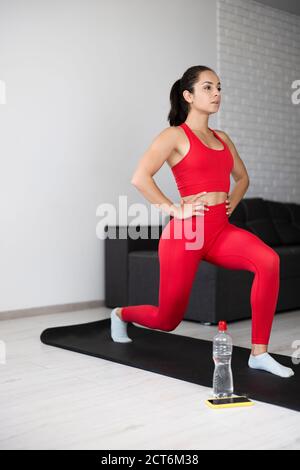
(211, 198)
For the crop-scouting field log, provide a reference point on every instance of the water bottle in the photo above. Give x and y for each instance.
(222, 351)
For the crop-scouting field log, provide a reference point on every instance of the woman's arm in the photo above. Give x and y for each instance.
(239, 174)
(152, 160)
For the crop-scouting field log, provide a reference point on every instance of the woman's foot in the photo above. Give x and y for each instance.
(266, 362)
(118, 327)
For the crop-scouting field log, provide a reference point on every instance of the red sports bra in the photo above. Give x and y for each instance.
(203, 168)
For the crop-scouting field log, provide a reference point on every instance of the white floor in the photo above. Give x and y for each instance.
(51, 398)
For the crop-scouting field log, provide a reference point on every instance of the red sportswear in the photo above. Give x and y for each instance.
(203, 168)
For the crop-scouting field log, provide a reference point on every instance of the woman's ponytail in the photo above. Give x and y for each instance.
(179, 106)
(178, 111)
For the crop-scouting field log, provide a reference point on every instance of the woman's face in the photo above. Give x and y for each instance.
(206, 91)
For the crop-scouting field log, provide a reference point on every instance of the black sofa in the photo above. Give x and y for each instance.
(132, 265)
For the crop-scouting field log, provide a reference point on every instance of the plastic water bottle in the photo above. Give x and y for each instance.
(222, 352)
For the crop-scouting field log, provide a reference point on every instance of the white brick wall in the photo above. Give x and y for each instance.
(258, 59)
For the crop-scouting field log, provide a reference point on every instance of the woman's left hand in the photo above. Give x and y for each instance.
(229, 207)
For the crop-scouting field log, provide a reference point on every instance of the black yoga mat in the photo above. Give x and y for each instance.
(177, 356)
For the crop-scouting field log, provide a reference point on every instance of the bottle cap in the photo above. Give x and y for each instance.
(222, 325)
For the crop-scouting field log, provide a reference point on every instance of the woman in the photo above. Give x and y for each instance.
(202, 160)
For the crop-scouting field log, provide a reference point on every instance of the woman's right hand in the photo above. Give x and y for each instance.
(189, 208)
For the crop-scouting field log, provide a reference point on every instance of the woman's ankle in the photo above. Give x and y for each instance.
(259, 349)
(119, 312)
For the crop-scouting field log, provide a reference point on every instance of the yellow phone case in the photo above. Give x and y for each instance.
(228, 405)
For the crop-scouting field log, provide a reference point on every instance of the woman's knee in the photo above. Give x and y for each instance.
(271, 260)
(275, 261)
(166, 324)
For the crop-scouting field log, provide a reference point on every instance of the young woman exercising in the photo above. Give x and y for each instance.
(201, 160)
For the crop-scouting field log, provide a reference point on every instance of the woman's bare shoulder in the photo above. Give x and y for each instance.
(170, 132)
(168, 137)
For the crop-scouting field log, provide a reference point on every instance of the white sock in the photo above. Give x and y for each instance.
(266, 362)
(118, 328)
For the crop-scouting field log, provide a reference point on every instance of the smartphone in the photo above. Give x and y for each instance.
(228, 402)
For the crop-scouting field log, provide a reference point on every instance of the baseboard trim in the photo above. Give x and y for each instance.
(48, 309)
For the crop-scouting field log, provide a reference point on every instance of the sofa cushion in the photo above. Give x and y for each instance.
(289, 261)
(141, 260)
(284, 218)
(143, 277)
(238, 217)
(254, 214)
(295, 213)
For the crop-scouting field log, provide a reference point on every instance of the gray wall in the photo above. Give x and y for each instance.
(87, 87)
(258, 60)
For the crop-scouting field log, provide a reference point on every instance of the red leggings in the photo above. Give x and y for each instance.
(224, 244)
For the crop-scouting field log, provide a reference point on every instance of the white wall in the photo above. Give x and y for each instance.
(258, 60)
(87, 87)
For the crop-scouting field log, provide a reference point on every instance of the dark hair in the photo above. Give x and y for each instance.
(179, 106)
